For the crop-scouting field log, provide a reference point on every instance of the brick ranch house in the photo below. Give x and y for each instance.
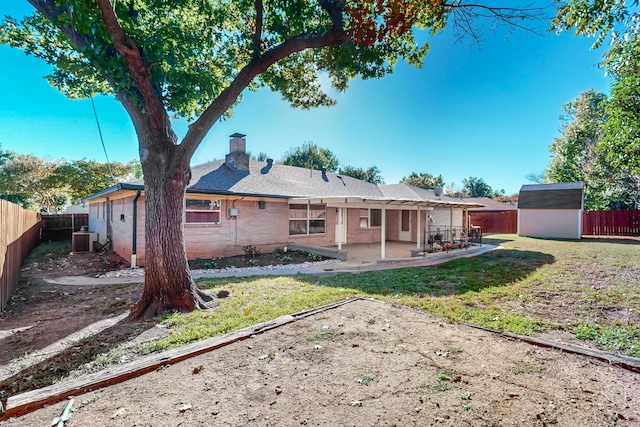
(239, 202)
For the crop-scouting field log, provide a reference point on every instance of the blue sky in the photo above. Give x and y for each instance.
(489, 111)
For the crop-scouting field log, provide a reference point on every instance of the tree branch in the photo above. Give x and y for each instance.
(511, 17)
(137, 67)
(334, 36)
(52, 12)
(257, 35)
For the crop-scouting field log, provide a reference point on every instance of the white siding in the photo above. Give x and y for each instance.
(98, 220)
(550, 223)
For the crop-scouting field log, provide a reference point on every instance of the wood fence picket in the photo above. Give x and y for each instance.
(20, 232)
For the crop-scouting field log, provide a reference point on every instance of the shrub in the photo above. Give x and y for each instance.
(251, 251)
(314, 257)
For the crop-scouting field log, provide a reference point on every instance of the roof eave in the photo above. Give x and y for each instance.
(113, 189)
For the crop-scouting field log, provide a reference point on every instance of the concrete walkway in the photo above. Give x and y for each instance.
(315, 269)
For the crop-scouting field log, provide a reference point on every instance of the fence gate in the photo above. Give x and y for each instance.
(61, 227)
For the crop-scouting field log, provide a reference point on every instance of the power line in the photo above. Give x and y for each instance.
(95, 114)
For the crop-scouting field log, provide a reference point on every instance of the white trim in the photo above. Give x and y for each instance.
(383, 233)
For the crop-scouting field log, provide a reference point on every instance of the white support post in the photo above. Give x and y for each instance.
(418, 230)
(383, 233)
(340, 228)
(451, 225)
(465, 225)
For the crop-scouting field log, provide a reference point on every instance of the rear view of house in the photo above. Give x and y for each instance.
(239, 202)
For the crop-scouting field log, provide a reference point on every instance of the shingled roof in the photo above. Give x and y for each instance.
(268, 179)
(490, 205)
(564, 195)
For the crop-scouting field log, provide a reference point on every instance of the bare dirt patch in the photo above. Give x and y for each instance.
(367, 363)
(41, 313)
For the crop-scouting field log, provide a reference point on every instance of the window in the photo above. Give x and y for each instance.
(376, 217)
(202, 211)
(404, 226)
(307, 219)
(370, 218)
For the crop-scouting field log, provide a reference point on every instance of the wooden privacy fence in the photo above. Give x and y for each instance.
(495, 221)
(20, 232)
(611, 223)
(62, 227)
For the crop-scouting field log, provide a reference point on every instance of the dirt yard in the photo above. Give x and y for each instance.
(365, 363)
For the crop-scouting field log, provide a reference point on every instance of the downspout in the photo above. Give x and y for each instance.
(134, 240)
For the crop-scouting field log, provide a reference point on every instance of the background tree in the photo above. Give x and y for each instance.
(618, 168)
(620, 144)
(476, 187)
(371, 174)
(29, 181)
(5, 155)
(85, 177)
(452, 190)
(575, 154)
(260, 157)
(537, 177)
(506, 198)
(50, 185)
(424, 180)
(310, 156)
(194, 58)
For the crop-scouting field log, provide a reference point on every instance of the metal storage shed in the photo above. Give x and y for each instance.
(551, 210)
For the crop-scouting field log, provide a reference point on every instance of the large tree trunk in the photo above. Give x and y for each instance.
(168, 284)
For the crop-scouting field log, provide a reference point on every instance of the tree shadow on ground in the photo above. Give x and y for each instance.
(47, 314)
(497, 239)
(623, 240)
(493, 269)
(57, 367)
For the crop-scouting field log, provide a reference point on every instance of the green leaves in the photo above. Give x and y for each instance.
(371, 174)
(49, 186)
(194, 49)
(476, 187)
(604, 150)
(424, 180)
(310, 156)
(592, 18)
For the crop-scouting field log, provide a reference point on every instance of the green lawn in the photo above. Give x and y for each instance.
(589, 288)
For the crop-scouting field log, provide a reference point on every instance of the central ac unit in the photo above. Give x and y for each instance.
(83, 242)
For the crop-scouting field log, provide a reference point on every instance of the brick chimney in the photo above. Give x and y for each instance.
(238, 158)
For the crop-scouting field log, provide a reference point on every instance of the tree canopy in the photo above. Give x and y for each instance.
(50, 185)
(476, 187)
(617, 169)
(424, 180)
(310, 156)
(621, 141)
(372, 174)
(580, 154)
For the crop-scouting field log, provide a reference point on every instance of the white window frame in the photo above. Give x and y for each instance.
(308, 219)
(368, 218)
